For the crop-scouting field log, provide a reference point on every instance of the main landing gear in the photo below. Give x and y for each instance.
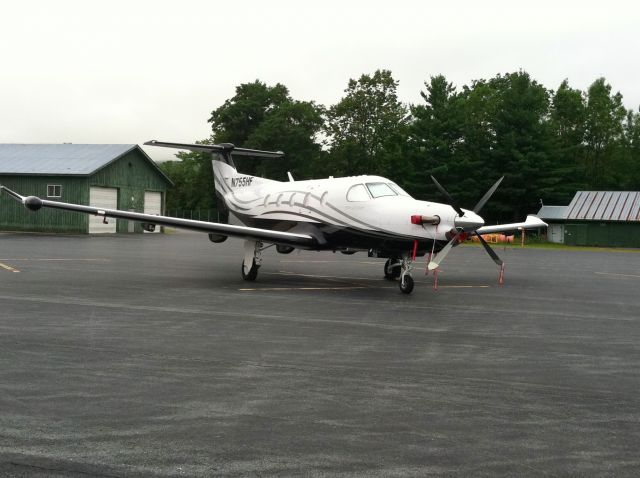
(252, 260)
(400, 268)
(392, 269)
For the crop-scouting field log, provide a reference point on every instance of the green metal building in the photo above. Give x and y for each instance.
(113, 176)
(596, 218)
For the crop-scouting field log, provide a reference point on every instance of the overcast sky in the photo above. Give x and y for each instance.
(129, 71)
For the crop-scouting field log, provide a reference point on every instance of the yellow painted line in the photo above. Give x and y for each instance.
(9, 268)
(618, 275)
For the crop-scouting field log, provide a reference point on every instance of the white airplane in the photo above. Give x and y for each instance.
(350, 214)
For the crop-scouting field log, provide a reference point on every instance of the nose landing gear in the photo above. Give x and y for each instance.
(396, 268)
(406, 281)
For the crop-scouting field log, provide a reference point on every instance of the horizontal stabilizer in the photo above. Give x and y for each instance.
(218, 148)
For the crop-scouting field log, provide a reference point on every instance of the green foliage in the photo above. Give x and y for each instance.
(567, 122)
(547, 144)
(266, 117)
(603, 134)
(367, 128)
(435, 136)
(192, 178)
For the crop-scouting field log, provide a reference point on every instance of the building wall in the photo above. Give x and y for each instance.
(132, 175)
(15, 217)
(607, 234)
(555, 233)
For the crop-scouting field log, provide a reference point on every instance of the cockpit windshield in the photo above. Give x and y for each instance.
(380, 189)
(399, 190)
(358, 192)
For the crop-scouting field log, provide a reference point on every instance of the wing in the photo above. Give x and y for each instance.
(303, 241)
(532, 222)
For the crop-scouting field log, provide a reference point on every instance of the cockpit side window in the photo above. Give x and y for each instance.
(380, 189)
(399, 190)
(357, 192)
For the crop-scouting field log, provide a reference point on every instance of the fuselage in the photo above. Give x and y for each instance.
(348, 213)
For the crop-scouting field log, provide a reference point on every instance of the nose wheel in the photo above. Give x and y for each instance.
(406, 284)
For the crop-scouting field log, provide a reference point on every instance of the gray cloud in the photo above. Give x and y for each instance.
(126, 72)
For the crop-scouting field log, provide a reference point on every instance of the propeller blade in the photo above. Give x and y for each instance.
(435, 262)
(444, 192)
(489, 250)
(487, 195)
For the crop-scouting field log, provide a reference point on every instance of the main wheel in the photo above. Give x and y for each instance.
(253, 271)
(391, 272)
(406, 284)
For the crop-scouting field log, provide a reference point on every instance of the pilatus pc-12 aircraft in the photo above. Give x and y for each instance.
(359, 213)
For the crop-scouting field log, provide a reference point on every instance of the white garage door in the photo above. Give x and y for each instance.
(153, 204)
(103, 198)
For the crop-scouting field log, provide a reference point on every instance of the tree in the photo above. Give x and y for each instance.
(239, 116)
(192, 182)
(266, 117)
(523, 145)
(257, 116)
(567, 121)
(435, 135)
(605, 115)
(627, 164)
(367, 127)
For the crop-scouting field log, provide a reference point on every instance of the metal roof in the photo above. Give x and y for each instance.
(552, 212)
(59, 159)
(605, 206)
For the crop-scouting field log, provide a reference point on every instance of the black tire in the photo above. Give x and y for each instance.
(391, 273)
(253, 272)
(406, 285)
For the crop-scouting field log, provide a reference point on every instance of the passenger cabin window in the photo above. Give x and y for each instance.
(380, 189)
(357, 193)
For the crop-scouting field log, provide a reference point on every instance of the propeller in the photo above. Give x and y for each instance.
(487, 195)
(446, 194)
(437, 260)
(489, 250)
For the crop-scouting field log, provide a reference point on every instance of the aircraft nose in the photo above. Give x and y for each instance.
(469, 222)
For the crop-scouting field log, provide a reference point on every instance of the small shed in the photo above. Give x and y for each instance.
(111, 176)
(596, 218)
(554, 216)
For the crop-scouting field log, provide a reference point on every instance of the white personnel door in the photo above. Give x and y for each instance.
(153, 204)
(102, 198)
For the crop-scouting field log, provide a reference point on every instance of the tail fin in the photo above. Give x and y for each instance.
(226, 177)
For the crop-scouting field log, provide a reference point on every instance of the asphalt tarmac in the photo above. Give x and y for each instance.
(150, 356)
